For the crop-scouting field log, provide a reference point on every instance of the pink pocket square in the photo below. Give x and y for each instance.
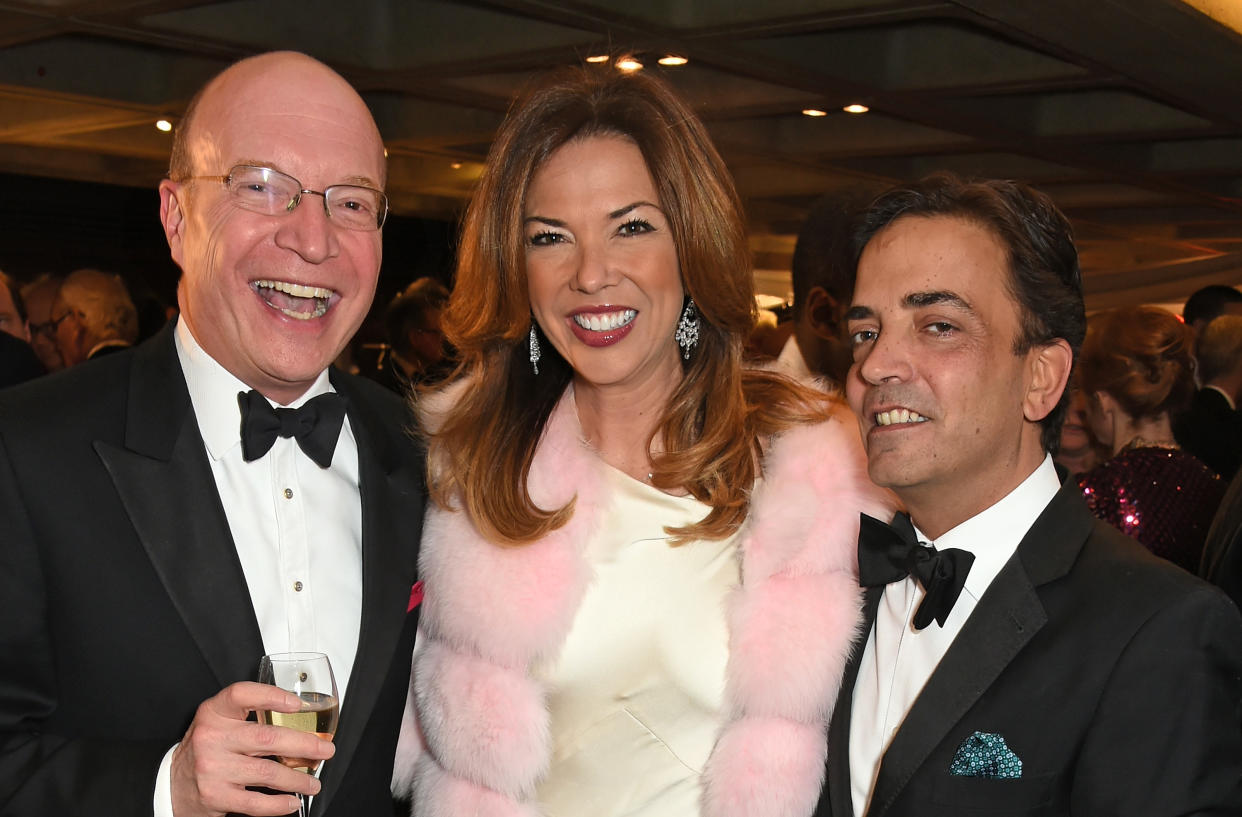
(416, 596)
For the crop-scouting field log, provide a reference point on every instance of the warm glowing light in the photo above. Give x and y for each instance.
(1226, 12)
(456, 165)
(164, 125)
(385, 153)
(598, 58)
(855, 108)
(813, 112)
(672, 60)
(629, 64)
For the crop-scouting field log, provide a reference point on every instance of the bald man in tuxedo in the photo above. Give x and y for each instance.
(176, 511)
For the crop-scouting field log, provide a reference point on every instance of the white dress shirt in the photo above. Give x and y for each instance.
(791, 361)
(297, 528)
(898, 660)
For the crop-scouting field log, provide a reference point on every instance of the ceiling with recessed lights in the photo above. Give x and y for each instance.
(1128, 112)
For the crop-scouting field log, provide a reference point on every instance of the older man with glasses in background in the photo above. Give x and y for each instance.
(175, 511)
(40, 297)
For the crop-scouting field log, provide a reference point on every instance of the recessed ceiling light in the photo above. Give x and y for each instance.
(598, 58)
(672, 60)
(163, 124)
(456, 165)
(855, 108)
(629, 64)
(813, 112)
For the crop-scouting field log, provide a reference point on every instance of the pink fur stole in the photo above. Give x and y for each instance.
(480, 741)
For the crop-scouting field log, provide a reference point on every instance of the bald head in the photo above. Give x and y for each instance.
(273, 291)
(259, 80)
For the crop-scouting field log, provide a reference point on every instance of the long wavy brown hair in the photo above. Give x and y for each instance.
(712, 430)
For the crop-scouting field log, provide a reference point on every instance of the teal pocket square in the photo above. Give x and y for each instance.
(984, 754)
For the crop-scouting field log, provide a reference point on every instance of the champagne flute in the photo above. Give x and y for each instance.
(309, 676)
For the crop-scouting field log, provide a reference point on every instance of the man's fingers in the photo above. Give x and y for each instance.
(225, 739)
(238, 700)
(281, 741)
(223, 755)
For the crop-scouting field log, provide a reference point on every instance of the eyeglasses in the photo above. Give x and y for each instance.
(272, 193)
(48, 328)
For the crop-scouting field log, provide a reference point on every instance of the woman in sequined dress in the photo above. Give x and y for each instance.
(1137, 371)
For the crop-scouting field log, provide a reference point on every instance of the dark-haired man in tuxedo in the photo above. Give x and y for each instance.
(1020, 657)
(1211, 427)
(165, 525)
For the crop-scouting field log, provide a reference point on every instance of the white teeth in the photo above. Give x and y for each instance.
(606, 321)
(898, 416)
(319, 311)
(296, 290)
(320, 295)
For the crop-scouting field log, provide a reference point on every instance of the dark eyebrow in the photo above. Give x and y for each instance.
(551, 222)
(629, 207)
(915, 300)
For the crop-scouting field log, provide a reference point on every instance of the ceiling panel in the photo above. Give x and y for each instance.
(1127, 113)
(376, 35)
(835, 135)
(712, 14)
(932, 55)
(124, 71)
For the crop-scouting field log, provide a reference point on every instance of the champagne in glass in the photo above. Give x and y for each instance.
(309, 676)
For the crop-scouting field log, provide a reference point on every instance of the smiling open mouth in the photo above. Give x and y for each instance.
(295, 300)
(604, 321)
(894, 417)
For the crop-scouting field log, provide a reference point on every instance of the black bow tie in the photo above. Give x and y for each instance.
(316, 425)
(889, 553)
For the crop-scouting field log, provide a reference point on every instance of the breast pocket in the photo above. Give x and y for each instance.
(1034, 795)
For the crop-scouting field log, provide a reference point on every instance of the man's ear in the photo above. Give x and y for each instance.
(822, 314)
(1048, 371)
(172, 216)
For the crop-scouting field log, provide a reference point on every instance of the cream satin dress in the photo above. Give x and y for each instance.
(636, 693)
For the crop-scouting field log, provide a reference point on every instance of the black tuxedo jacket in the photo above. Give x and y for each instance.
(18, 362)
(124, 602)
(1211, 431)
(1115, 677)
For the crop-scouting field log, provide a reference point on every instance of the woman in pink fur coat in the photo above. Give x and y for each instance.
(640, 563)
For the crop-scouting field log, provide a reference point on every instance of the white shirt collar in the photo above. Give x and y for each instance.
(993, 534)
(792, 362)
(213, 393)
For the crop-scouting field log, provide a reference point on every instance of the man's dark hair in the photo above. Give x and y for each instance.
(15, 292)
(1207, 304)
(824, 254)
(409, 311)
(1044, 277)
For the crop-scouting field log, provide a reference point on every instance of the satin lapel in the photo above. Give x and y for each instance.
(392, 501)
(838, 788)
(1006, 618)
(165, 483)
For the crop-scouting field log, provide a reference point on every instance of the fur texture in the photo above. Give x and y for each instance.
(481, 740)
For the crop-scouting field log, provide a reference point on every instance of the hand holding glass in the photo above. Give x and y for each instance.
(309, 676)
